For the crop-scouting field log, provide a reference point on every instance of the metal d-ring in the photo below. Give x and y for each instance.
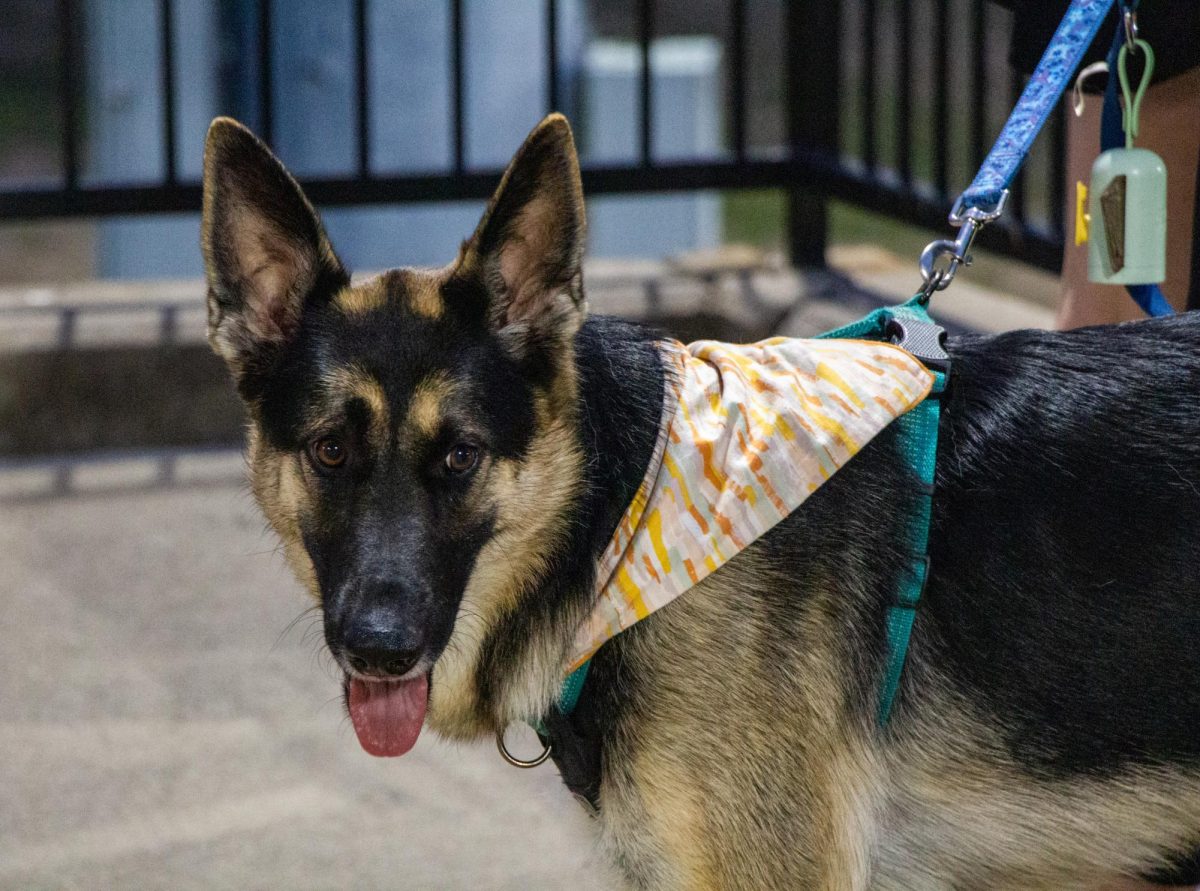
(514, 760)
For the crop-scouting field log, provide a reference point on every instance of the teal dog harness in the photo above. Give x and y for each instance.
(910, 327)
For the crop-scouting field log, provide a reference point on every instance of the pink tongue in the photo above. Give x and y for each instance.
(388, 715)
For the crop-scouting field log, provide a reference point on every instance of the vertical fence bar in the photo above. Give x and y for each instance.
(646, 119)
(552, 98)
(363, 88)
(68, 322)
(904, 88)
(870, 21)
(168, 323)
(813, 79)
(266, 99)
(1193, 297)
(978, 84)
(1058, 172)
(737, 86)
(942, 128)
(456, 80)
(68, 87)
(167, 62)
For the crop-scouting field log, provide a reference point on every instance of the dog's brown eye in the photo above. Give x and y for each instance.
(462, 458)
(329, 452)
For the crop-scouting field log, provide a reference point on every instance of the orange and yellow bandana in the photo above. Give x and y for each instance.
(748, 433)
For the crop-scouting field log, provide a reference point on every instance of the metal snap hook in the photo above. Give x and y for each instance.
(957, 252)
(1131, 30)
(938, 279)
(514, 760)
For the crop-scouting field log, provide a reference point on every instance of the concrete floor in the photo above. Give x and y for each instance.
(163, 726)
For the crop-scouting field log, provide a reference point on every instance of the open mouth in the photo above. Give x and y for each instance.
(387, 714)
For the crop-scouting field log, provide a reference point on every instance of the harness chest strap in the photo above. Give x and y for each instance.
(912, 329)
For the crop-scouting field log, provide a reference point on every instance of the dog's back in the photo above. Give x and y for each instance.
(1067, 538)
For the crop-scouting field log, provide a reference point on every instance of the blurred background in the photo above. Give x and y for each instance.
(752, 167)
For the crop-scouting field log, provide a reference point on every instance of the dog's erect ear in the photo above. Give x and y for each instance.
(528, 248)
(265, 251)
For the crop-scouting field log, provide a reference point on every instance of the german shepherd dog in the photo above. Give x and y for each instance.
(445, 454)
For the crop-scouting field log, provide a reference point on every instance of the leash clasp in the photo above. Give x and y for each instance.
(955, 252)
(960, 213)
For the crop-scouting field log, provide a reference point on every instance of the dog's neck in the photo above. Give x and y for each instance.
(620, 397)
(519, 668)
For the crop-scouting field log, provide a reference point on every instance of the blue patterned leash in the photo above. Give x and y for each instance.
(1049, 81)
(984, 199)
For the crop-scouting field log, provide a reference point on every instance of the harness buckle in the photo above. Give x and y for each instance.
(924, 340)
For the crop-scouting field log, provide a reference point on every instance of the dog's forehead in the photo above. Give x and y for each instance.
(395, 329)
(411, 291)
(395, 345)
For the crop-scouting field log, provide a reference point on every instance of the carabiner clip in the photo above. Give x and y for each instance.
(970, 218)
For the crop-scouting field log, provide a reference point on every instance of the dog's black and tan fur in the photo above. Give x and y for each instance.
(1047, 732)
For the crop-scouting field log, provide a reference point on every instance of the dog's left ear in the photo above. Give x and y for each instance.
(528, 248)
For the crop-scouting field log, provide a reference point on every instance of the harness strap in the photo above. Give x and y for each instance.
(918, 433)
(568, 697)
(573, 745)
(913, 329)
(572, 687)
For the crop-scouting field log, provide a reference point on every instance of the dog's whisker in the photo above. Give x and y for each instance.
(307, 613)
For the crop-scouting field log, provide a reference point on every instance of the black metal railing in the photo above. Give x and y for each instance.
(896, 132)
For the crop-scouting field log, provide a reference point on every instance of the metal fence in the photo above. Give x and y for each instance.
(887, 104)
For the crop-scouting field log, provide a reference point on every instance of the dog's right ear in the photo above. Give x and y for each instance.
(265, 251)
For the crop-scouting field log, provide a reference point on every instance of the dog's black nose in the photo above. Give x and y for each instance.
(381, 661)
(374, 644)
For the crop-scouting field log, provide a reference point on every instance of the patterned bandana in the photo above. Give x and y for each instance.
(748, 433)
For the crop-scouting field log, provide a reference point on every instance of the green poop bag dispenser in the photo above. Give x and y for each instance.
(1127, 201)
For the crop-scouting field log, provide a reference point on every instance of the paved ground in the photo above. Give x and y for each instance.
(162, 728)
